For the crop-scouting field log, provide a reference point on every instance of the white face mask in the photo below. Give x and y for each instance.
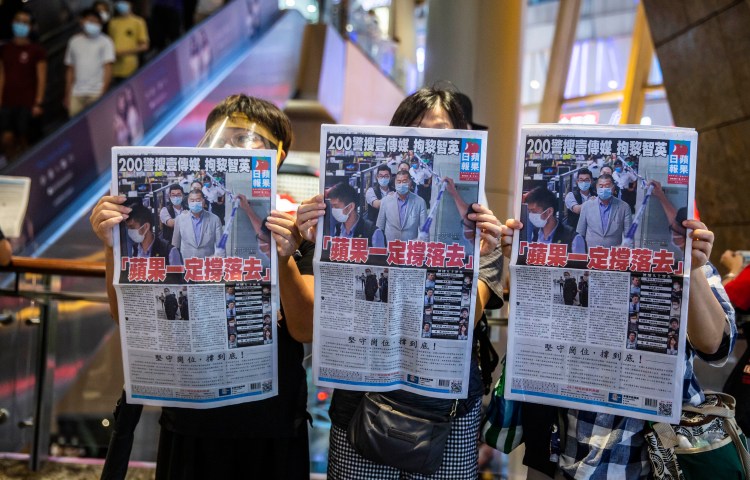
(135, 235)
(536, 219)
(339, 215)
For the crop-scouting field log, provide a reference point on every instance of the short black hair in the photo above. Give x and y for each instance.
(542, 197)
(91, 12)
(140, 214)
(585, 171)
(414, 107)
(175, 186)
(344, 192)
(617, 161)
(383, 168)
(255, 109)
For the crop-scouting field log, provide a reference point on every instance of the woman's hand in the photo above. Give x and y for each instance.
(108, 212)
(309, 214)
(489, 228)
(506, 240)
(285, 232)
(703, 242)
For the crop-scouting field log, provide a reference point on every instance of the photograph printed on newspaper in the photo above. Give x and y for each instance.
(395, 266)
(195, 275)
(600, 270)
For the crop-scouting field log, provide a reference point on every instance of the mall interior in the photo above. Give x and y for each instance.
(348, 62)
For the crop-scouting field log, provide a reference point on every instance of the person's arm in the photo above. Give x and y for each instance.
(144, 42)
(732, 261)
(581, 227)
(666, 205)
(108, 213)
(218, 231)
(176, 236)
(628, 221)
(41, 85)
(165, 218)
(69, 79)
(490, 234)
(571, 203)
(461, 205)
(255, 220)
(707, 319)
(297, 290)
(6, 250)
(380, 222)
(107, 79)
(2, 81)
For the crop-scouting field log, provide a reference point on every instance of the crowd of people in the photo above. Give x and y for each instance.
(111, 44)
(271, 435)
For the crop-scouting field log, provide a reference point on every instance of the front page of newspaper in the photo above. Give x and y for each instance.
(195, 275)
(396, 259)
(600, 271)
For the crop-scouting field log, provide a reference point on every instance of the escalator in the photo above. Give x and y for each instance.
(255, 51)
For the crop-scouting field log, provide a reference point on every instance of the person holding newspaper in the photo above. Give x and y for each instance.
(428, 108)
(608, 446)
(270, 435)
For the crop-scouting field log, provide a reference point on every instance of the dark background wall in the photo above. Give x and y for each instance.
(704, 50)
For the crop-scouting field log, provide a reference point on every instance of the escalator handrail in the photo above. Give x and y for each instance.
(55, 266)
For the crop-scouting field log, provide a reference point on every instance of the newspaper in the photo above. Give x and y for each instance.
(599, 298)
(198, 299)
(14, 198)
(396, 285)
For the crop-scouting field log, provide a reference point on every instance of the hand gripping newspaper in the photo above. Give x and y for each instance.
(195, 275)
(600, 270)
(396, 259)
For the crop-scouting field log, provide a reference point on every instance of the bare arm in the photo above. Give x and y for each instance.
(41, 85)
(107, 214)
(297, 289)
(6, 252)
(706, 318)
(107, 77)
(2, 81)
(69, 79)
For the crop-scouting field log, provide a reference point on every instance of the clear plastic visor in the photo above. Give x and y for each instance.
(238, 132)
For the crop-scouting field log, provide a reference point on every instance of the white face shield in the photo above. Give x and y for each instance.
(238, 131)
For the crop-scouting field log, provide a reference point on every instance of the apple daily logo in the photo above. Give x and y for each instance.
(470, 159)
(678, 166)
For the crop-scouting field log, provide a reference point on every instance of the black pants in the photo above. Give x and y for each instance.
(166, 26)
(185, 457)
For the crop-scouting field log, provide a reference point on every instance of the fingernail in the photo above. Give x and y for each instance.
(125, 215)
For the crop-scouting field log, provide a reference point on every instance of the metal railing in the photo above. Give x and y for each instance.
(46, 295)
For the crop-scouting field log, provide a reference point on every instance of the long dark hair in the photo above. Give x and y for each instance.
(414, 107)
